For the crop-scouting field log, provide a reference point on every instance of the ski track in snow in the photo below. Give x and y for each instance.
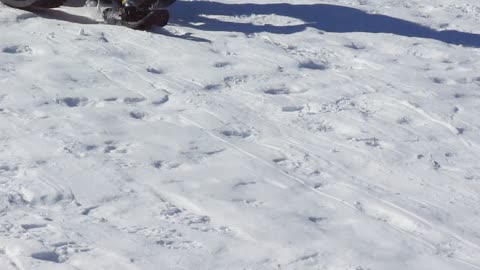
(242, 136)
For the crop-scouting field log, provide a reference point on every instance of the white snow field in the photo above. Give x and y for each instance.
(299, 134)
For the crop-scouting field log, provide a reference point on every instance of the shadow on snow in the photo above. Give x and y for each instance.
(56, 14)
(330, 18)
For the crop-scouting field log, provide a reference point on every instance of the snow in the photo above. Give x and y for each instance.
(297, 134)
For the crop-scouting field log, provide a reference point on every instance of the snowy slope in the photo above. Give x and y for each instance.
(298, 134)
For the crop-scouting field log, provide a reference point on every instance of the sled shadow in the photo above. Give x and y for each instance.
(329, 18)
(54, 14)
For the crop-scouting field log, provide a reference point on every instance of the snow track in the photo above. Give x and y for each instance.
(242, 136)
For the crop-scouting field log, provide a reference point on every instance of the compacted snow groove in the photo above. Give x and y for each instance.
(389, 208)
(272, 166)
(242, 136)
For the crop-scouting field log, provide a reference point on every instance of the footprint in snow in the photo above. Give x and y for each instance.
(49, 256)
(137, 115)
(33, 226)
(155, 71)
(213, 87)
(90, 147)
(244, 184)
(355, 46)
(310, 64)
(277, 91)
(110, 99)
(292, 108)
(236, 133)
(60, 252)
(168, 165)
(73, 101)
(161, 101)
(5, 168)
(221, 64)
(438, 80)
(235, 80)
(133, 100)
(316, 219)
(157, 164)
(404, 121)
(17, 49)
(109, 147)
(279, 160)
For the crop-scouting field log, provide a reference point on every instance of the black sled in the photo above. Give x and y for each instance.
(134, 14)
(139, 14)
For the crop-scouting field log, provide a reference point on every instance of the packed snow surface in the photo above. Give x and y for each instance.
(300, 134)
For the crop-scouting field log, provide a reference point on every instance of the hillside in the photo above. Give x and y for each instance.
(299, 134)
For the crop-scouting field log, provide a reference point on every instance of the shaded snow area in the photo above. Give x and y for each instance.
(299, 134)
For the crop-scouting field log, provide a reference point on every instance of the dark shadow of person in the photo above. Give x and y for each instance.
(329, 18)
